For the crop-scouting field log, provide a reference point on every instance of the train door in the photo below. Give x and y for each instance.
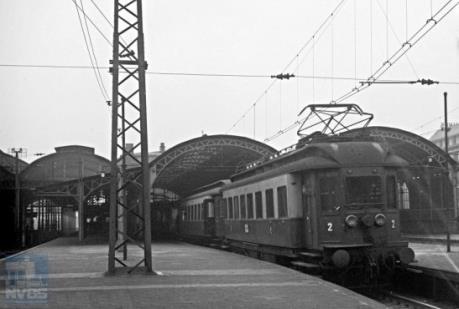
(330, 206)
(209, 217)
(309, 189)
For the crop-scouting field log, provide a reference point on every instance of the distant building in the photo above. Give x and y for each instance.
(8, 162)
(438, 138)
(131, 163)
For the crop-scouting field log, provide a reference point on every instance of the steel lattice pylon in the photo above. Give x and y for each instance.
(129, 124)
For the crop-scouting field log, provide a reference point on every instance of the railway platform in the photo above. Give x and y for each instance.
(189, 277)
(434, 255)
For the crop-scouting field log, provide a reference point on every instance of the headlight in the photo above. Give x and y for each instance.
(367, 220)
(351, 221)
(380, 219)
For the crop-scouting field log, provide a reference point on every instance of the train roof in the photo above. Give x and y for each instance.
(209, 189)
(323, 154)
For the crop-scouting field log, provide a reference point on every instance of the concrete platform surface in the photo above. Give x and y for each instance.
(432, 238)
(192, 277)
(435, 256)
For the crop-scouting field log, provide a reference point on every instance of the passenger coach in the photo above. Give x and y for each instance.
(333, 201)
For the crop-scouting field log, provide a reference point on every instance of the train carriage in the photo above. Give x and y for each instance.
(333, 201)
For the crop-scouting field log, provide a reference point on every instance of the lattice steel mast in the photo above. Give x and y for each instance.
(129, 123)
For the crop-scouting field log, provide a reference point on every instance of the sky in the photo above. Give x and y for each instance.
(43, 108)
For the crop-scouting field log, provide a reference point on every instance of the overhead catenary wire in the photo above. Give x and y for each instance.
(102, 13)
(405, 47)
(305, 45)
(202, 74)
(389, 24)
(88, 49)
(96, 63)
(93, 24)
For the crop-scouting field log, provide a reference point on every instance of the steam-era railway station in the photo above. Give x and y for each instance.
(349, 216)
(64, 197)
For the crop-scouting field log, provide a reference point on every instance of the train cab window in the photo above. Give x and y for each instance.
(363, 190)
(250, 206)
(236, 207)
(329, 200)
(391, 192)
(258, 205)
(230, 208)
(269, 203)
(243, 209)
(282, 201)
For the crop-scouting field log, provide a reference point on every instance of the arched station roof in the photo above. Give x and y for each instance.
(203, 160)
(417, 150)
(67, 163)
(8, 162)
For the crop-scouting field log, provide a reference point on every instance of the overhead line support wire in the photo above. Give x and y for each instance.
(101, 88)
(96, 64)
(413, 40)
(93, 24)
(325, 77)
(311, 39)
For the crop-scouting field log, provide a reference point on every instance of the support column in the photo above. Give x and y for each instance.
(81, 214)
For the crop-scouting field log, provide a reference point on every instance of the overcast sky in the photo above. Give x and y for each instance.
(42, 108)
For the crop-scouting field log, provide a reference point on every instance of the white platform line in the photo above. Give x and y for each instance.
(182, 272)
(180, 286)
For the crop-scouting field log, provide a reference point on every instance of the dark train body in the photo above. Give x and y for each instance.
(330, 204)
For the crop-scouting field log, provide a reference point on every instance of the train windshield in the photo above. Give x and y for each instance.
(363, 190)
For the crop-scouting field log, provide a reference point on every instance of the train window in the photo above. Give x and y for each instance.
(223, 210)
(329, 193)
(250, 206)
(236, 207)
(363, 190)
(210, 209)
(243, 209)
(258, 205)
(391, 192)
(282, 201)
(404, 196)
(230, 208)
(269, 203)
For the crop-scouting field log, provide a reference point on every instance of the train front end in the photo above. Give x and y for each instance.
(359, 222)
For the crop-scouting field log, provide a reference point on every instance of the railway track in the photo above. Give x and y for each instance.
(396, 300)
(413, 287)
